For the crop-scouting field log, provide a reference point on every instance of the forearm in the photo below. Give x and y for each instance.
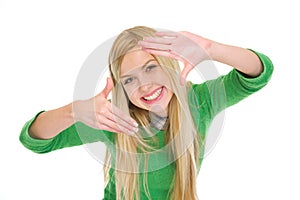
(241, 59)
(50, 123)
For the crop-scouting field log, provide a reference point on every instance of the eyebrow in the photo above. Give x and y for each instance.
(142, 67)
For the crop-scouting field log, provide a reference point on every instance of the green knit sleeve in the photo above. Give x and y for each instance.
(229, 89)
(76, 134)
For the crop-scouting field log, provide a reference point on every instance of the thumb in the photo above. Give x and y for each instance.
(108, 88)
(184, 73)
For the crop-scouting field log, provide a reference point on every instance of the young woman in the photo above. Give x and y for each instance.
(154, 126)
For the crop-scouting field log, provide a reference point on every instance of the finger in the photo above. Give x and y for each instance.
(184, 73)
(158, 40)
(103, 127)
(108, 88)
(166, 34)
(107, 128)
(121, 122)
(160, 53)
(168, 54)
(96, 125)
(158, 46)
(189, 35)
(120, 114)
(109, 123)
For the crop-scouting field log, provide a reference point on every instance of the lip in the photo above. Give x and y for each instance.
(157, 98)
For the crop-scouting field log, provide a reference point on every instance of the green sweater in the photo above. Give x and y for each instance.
(209, 98)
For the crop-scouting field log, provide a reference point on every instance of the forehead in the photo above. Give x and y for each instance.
(134, 59)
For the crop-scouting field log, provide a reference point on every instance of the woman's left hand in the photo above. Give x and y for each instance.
(183, 46)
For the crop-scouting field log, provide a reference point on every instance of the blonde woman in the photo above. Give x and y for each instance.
(155, 124)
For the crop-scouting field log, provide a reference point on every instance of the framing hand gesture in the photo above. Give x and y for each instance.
(183, 46)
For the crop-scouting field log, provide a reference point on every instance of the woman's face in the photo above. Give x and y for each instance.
(145, 83)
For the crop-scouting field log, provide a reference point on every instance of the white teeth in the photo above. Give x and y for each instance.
(153, 96)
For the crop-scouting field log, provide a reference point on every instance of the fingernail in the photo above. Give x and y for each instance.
(136, 130)
(182, 80)
(130, 132)
(133, 132)
(135, 124)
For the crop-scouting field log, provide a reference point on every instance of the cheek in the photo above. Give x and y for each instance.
(134, 98)
(162, 78)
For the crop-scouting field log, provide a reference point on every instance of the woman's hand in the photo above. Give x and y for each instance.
(100, 113)
(186, 47)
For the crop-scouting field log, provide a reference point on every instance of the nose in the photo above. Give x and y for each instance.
(145, 87)
(144, 82)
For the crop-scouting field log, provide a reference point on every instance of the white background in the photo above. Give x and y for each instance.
(43, 45)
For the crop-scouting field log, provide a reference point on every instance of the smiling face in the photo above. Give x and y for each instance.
(145, 83)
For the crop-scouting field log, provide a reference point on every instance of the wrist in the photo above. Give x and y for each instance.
(77, 110)
(69, 112)
(213, 51)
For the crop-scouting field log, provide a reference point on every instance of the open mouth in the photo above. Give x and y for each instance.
(154, 96)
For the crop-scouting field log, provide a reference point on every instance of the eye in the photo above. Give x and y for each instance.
(150, 67)
(128, 80)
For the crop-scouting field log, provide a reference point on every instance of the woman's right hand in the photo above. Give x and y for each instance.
(99, 113)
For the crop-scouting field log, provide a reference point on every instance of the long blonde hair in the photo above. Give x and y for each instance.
(180, 130)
